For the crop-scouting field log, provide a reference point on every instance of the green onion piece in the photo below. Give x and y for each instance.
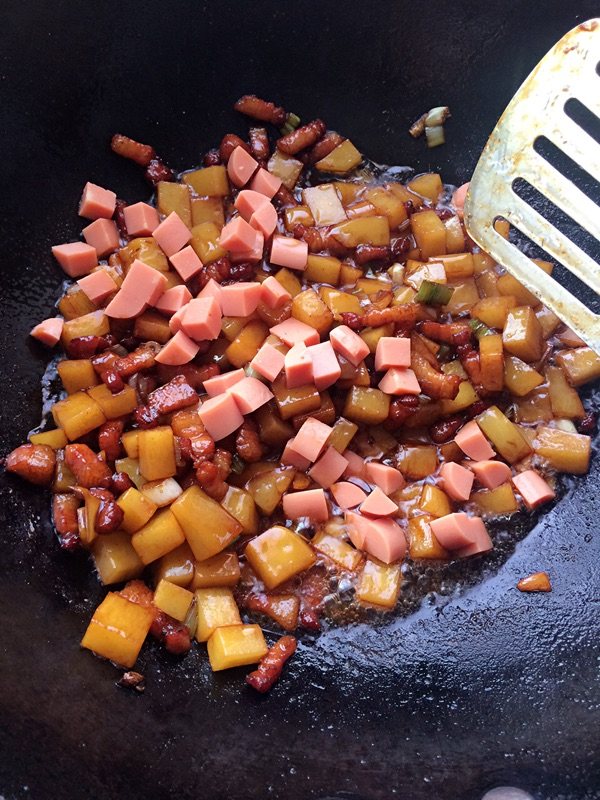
(434, 135)
(418, 127)
(443, 352)
(191, 619)
(437, 116)
(292, 121)
(237, 465)
(479, 328)
(434, 294)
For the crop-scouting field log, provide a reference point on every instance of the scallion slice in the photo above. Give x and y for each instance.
(437, 116)
(479, 328)
(434, 294)
(434, 135)
(292, 121)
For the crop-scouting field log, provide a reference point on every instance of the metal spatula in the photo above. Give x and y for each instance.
(569, 71)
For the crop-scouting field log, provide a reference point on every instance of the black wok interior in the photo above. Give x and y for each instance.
(485, 688)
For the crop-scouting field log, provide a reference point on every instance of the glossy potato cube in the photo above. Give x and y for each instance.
(564, 451)
(136, 508)
(118, 629)
(95, 323)
(172, 196)
(158, 536)
(310, 309)
(114, 405)
(435, 501)
(379, 584)
(366, 405)
(205, 242)
(145, 249)
(505, 436)
(173, 600)
(77, 374)
(236, 646)
(115, 558)
(157, 453)
(429, 232)
(216, 607)
(246, 343)
(56, 439)
(500, 500)
(220, 570)
(240, 504)
(176, 567)
(77, 415)
(422, 540)
(339, 551)
(209, 181)
(278, 554)
(522, 335)
(207, 526)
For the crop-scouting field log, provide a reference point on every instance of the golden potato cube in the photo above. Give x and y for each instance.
(323, 269)
(455, 237)
(371, 336)
(348, 192)
(310, 309)
(342, 434)
(387, 204)
(428, 185)
(136, 508)
(566, 452)
(466, 397)
(566, 403)
(458, 266)
(216, 608)
(75, 303)
(349, 275)
(145, 249)
(292, 402)
(325, 413)
(173, 600)
(278, 554)
(534, 407)
(343, 554)
(271, 428)
(522, 335)
(363, 230)
(131, 467)
(157, 453)
(265, 490)
(247, 343)
(505, 436)
(366, 405)
(208, 528)
(158, 536)
(379, 584)
(463, 298)
(580, 365)
(114, 405)
(298, 215)
(338, 302)
(422, 540)
(434, 501)
(56, 439)
(493, 311)
(176, 567)
(208, 209)
(511, 287)
(371, 286)
(77, 374)
(240, 504)
(205, 242)
(491, 360)
(118, 629)
(209, 181)
(343, 158)
(548, 320)
(152, 327)
(519, 377)
(130, 442)
(172, 196)
(285, 167)
(77, 415)
(417, 461)
(220, 570)
(429, 232)
(96, 323)
(236, 646)
(500, 500)
(115, 558)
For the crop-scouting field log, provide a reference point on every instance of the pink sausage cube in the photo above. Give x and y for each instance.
(142, 287)
(347, 495)
(273, 293)
(291, 331)
(250, 394)
(378, 504)
(459, 197)
(294, 459)
(176, 320)
(178, 350)
(238, 235)
(490, 474)
(481, 542)
(97, 202)
(49, 331)
(202, 319)
(268, 362)
(349, 344)
(186, 263)
(240, 299)
(264, 220)
(173, 300)
(212, 289)
(392, 351)
(103, 236)
(265, 183)
(141, 219)
(248, 201)
(172, 234)
(455, 531)
(241, 167)
(357, 527)
(288, 252)
(356, 465)
(533, 488)
(298, 366)
(311, 438)
(311, 504)
(473, 443)
(76, 258)
(253, 255)
(221, 383)
(97, 285)
(457, 481)
(328, 468)
(220, 416)
(387, 478)
(385, 540)
(325, 366)
(400, 381)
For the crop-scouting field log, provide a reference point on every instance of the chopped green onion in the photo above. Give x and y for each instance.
(418, 127)
(434, 135)
(191, 619)
(237, 465)
(437, 116)
(434, 294)
(479, 328)
(396, 273)
(292, 121)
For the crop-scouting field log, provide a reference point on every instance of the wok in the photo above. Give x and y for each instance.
(479, 688)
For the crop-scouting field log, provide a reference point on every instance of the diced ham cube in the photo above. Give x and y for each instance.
(141, 219)
(97, 202)
(298, 366)
(294, 459)
(292, 330)
(385, 540)
(172, 234)
(288, 252)
(221, 383)
(186, 263)
(490, 474)
(387, 478)
(265, 183)
(241, 167)
(457, 481)
(240, 299)
(459, 197)
(265, 220)
(178, 350)
(274, 295)
(49, 331)
(76, 258)
(392, 351)
(400, 381)
(325, 366)
(141, 288)
(238, 235)
(173, 300)
(311, 438)
(97, 286)
(202, 319)
(102, 235)
(357, 527)
(473, 443)
(328, 468)
(533, 488)
(356, 465)
(176, 320)
(481, 540)
(378, 504)
(250, 394)
(456, 531)
(253, 255)
(220, 415)
(248, 202)
(349, 344)
(347, 495)
(212, 289)
(268, 362)
(311, 503)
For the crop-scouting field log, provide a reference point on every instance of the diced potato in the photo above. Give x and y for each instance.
(387, 204)
(278, 554)
(298, 215)
(236, 645)
(130, 442)
(115, 559)
(268, 487)
(566, 452)
(511, 287)
(325, 413)
(137, 510)
(172, 196)
(349, 274)
(429, 232)
(458, 266)
(158, 536)
(342, 434)
(145, 249)
(359, 377)
(434, 501)
(324, 204)
(162, 492)
(403, 295)
(372, 286)
(77, 415)
(95, 323)
(240, 504)
(548, 320)
(152, 327)
(173, 600)
(364, 230)
(422, 541)
(493, 311)
(342, 159)
(247, 343)
(419, 271)
(232, 326)
(417, 461)
(131, 467)
(207, 526)
(56, 439)
(220, 570)
(75, 303)
(77, 374)
(209, 181)
(466, 397)
(463, 298)
(208, 209)
(566, 403)
(157, 453)
(323, 269)
(348, 191)
(534, 407)
(272, 429)
(310, 309)
(285, 167)
(428, 185)
(337, 550)
(522, 335)
(291, 402)
(504, 435)
(580, 365)
(86, 517)
(339, 302)
(455, 237)
(500, 500)
(205, 242)
(491, 359)
(366, 405)
(379, 584)
(289, 281)
(114, 405)
(216, 608)
(118, 629)
(176, 567)
(371, 336)
(519, 377)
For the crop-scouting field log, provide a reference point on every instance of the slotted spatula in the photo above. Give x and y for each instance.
(568, 71)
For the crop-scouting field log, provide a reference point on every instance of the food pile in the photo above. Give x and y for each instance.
(287, 368)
